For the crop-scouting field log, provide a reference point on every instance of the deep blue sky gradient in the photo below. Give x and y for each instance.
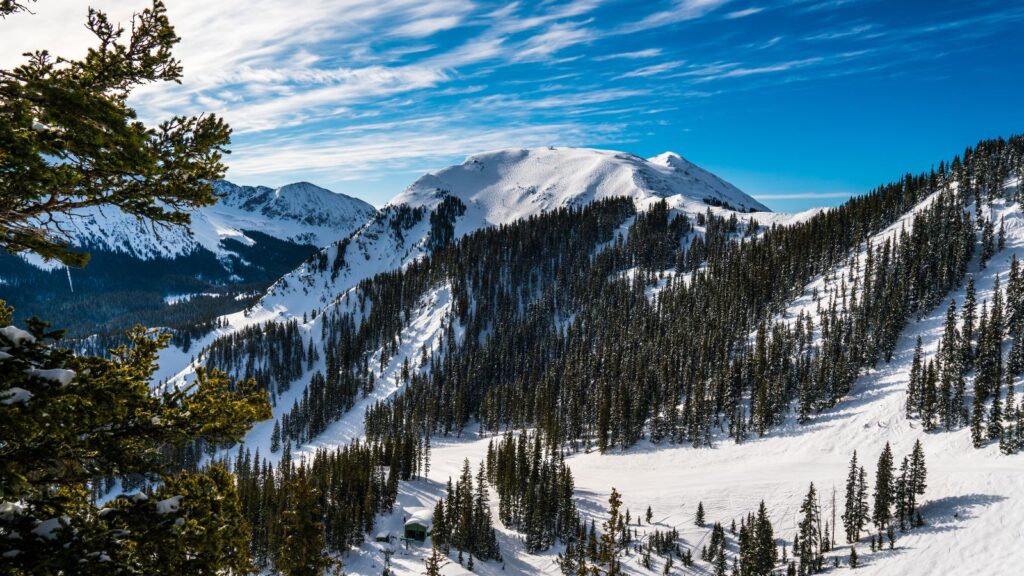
(798, 102)
(810, 101)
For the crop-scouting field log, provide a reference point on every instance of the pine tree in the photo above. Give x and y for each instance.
(914, 387)
(699, 517)
(435, 562)
(302, 530)
(967, 326)
(929, 397)
(917, 477)
(950, 369)
(901, 496)
(978, 416)
(56, 108)
(807, 550)
(852, 516)
(609, 546)
(862, 499)
(884, 485)
(80, 419)
(275, 437)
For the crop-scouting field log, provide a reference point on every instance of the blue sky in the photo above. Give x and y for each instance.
(800, 103)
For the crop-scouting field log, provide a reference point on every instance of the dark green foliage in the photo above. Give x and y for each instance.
(885, 485)
(807, 546)
(302, 532)
(77, 111)
(535, 490)
(465, 522)
(442, 222)
(338, 493)
(757, 551)
(855, 511)
(70, 421)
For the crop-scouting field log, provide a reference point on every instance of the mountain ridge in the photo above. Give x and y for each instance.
(495, 188)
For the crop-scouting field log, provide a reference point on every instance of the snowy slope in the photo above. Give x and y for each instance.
(974, 497)
(507, 185)
(496, 188)
(301, 213)
(972, 504)
(502, 187)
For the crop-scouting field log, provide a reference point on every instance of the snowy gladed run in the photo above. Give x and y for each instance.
(673, 345)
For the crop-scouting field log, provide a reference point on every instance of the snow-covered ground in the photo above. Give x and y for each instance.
(972, 506)
(974, 500)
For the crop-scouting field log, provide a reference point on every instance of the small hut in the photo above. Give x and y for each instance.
(418, 526)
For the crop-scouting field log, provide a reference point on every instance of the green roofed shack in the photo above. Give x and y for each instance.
(418, 526)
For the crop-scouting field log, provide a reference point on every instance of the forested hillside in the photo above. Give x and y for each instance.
(603, 327)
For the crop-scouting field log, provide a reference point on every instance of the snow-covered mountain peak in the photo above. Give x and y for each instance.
(505, 185)
(495, 188)
(670, 159)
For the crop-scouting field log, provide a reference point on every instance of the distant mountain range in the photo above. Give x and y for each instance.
(235, 247)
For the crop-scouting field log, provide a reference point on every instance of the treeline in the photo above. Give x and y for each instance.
(272, 353)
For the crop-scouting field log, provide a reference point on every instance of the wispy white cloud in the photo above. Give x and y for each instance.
(679, 11)
(350, 87)
(743, 13)
(844, 33)
(637, 54)
(427, 26)
(554, 39)
(652, 70)
(739, 72)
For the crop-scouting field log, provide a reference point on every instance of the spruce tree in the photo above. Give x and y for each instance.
(852, 511)
(302, 530)
(917, 477)
(80, 419)
(884, 486)
(699, 516)
(808, 550)
(914, 388)
(434, 562)
(967, 325)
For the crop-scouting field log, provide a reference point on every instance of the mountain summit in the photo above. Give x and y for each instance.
(505, 185)
(495, 188)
